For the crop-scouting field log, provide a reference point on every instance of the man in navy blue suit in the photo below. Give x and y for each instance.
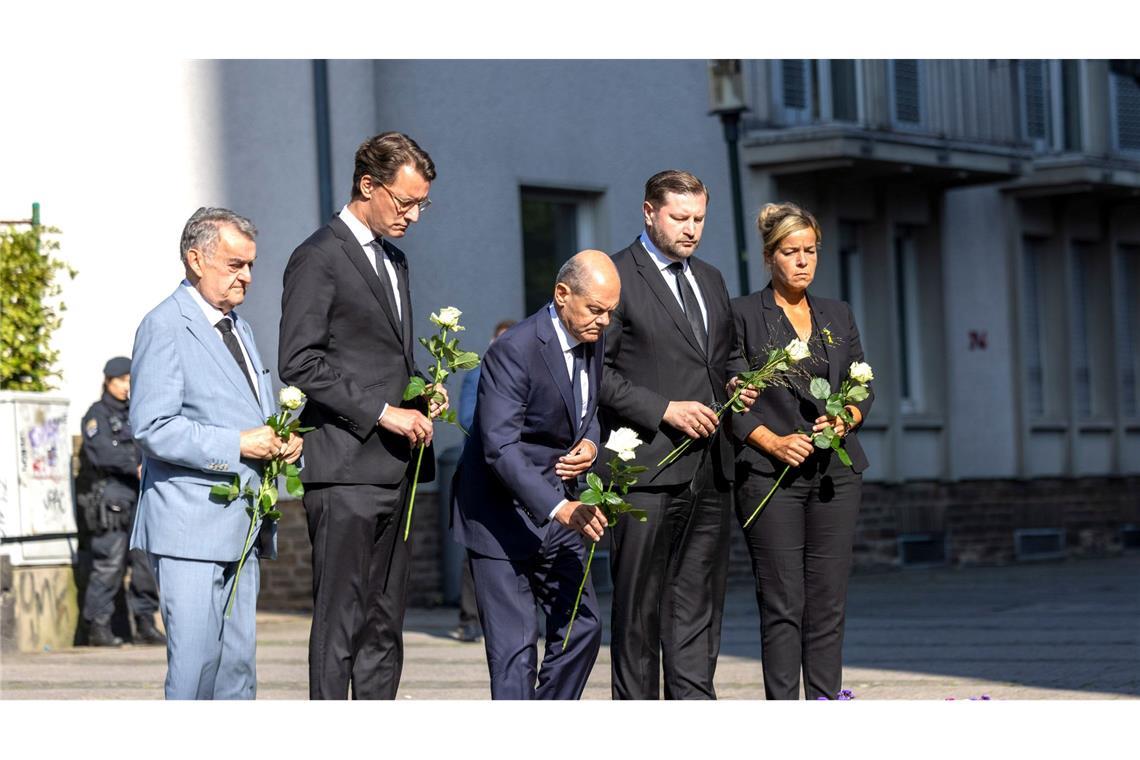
(515, 503)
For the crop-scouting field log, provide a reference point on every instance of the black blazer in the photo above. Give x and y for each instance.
(780, 409)
(652, 358)
(344, 346)
(505, 485)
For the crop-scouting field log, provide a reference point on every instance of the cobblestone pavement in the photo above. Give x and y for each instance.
(1066, 630)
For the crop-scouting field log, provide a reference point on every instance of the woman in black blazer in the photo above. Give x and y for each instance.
(801, 541)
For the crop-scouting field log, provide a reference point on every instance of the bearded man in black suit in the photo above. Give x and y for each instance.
(671, 357)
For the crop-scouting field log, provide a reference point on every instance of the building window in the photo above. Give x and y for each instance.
(844, 90)
(851, 271)
(1035, 102)
(908, 302)
(1128, 336)
(1092, 330)
(1032, 305)
(1071, 108)
(555, 225)
(906, 93)
(1125, 111)
(795, 90)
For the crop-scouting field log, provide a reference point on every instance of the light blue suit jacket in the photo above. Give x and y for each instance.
(189, 403)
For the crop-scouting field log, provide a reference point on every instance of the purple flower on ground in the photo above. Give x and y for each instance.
(821, 699)
(846, 695)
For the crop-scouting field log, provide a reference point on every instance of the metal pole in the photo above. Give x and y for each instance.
(36, 214)
(731, 121)
(324, 147)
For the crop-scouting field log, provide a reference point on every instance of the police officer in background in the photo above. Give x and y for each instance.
(107, 492)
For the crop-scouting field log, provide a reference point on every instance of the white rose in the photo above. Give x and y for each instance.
(448, 318)
(623, 441)
(861, 372)
(798, 350)
(290, 397)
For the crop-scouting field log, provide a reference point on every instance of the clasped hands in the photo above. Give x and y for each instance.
(412, 423)
(263, 443)
(793, 449)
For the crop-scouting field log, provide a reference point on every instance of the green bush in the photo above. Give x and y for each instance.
(28, 311)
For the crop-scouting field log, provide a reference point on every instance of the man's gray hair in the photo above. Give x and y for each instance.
(575, 275)
(201, 230)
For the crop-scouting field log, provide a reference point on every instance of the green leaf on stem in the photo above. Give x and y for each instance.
(294, 487)
(613, 499)
(820, 388)
(590, 496)
(834, 407)
(267, 498)
(273, 514)
(843, 456)
(595, 482)
(858, 393)
(822, 439)
(465, 360)
(415, 389)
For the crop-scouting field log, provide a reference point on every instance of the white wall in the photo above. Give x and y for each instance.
(118, 155)
(977, 292)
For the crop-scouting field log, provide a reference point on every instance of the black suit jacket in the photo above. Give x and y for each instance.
(652, 358)
(780, 409)
(505, 485)
(342, 343)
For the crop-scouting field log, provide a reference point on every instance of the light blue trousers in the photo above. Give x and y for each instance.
(207, 655)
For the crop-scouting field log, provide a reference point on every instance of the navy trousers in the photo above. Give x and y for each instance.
(509, 593)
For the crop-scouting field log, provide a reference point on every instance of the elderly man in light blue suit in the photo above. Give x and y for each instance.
(200, 399)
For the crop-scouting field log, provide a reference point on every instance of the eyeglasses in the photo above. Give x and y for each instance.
(404, 206)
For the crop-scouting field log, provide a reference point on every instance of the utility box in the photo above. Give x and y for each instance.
(37, 519)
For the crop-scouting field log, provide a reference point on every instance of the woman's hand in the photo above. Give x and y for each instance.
(838, 423)
(790, 449)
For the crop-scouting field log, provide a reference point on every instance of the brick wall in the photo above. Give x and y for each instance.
(977, 517)
(287, 582)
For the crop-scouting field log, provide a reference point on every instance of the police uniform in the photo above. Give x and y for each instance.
(107, 493)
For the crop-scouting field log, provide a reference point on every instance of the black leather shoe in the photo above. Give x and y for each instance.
(146, 632)
(469, 633)
(99, 635)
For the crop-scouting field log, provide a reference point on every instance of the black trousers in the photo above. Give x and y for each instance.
(510, 591)
(109, 560)
(468, 607)
(360, 580)
(801, 557)
(670, 575)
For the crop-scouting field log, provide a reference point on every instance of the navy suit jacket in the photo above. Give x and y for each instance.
(505, 486)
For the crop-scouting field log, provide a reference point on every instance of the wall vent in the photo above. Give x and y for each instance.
(1039, 543)
(922, 549)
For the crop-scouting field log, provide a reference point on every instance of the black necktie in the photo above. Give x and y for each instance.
(382, 273)
(226, 328)
(579, 367)
(689, 304)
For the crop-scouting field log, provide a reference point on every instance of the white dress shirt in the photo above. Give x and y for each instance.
(662, 261)
(568, 342)
(365, 237)
(213, 316)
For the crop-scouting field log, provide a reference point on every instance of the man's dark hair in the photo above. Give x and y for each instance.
(672, 181)
(382, 156)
